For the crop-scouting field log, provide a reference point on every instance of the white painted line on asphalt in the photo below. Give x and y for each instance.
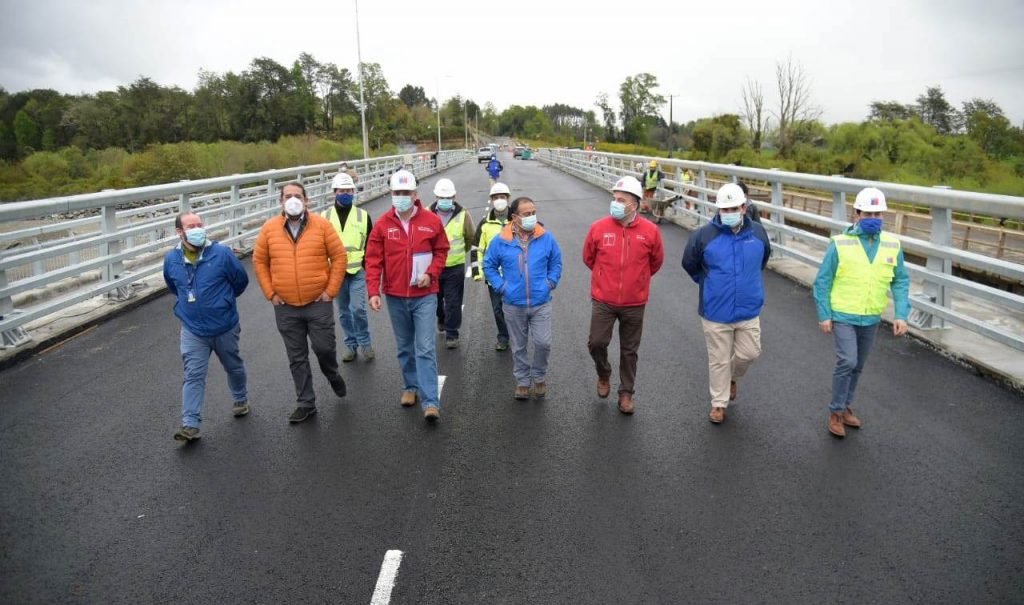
(386, 579)
(440, 384)
(469, 271)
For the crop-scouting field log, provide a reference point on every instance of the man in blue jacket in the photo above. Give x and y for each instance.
(206, 278)
(494, 169)
(726, 257)
(523, 264)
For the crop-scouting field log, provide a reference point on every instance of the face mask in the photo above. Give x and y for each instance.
(294, 207)
(617, 210)
(445, 205)
(344, 199)
(731, 219)
(871, 226)
(196, 236)
(500, 204)
(402, 203)
(529, 222)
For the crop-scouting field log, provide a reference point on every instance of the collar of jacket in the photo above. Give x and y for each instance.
(456, 208)
(508, 235)
(491, 218)
(393, 214)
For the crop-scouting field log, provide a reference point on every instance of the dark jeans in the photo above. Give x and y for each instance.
(314, 322)
(853, 343)
(449, 299)
(499, 315)
(631, 328)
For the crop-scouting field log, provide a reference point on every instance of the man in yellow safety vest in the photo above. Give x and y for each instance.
(490, 227)
(459, 228)
(651, 179)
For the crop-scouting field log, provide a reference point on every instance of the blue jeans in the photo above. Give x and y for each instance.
(527, 324)
(351, 306)
(195, 354)
(853, 343)
(413, 320)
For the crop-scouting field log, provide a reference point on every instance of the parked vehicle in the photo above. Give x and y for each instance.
(483, 154)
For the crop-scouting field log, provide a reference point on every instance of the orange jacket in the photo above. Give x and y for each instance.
(299, 271)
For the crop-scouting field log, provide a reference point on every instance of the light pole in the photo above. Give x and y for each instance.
(465, 120)
(438, 117)
(362, 102)
(671, 141)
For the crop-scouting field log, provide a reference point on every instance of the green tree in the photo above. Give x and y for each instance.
(608, 116)
(936, 111)
(887, 111)
(640, 105)
(413, 96)
(719, 135)
(26, 132)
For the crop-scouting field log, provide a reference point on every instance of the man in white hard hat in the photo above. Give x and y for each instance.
(353, 225)
(405, 255)
(726, 258)
(860, 267)
(623, 252)
(459, 228)
(491, 225)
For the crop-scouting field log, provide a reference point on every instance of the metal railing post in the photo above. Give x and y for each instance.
(838, 206)
(236, 228)
(778, 217)
(270, 193)
(114, 269)
(941, 235)
(702, 183)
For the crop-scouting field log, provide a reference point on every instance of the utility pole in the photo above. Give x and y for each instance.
(465, 119)
(671, 139)
(362, 102)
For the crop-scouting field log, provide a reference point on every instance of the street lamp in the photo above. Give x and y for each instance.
(362, 102)
(671, 142)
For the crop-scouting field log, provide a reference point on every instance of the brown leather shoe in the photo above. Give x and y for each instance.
(850, 420)
(717, 415)
(732, 390)
(626, 403)
(409, 398)
(431, 414)
(522, 393)
(835, 425)
(603, 387)
(540, 389)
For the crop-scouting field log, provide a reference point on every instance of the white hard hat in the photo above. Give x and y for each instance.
(630, 185)
(403, 180)
(730, 196)
(342, 181)
(500, 188)
(444, 188)
(870, 200)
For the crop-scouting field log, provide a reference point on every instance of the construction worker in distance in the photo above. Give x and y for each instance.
(459, 227)
(651, 179)
(623, 251)
(494, 168)
(491, 225)
(752, 212)
(353, 225)
(726, 257)
(860, 267)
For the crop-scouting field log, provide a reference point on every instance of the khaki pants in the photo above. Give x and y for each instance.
(731, 349)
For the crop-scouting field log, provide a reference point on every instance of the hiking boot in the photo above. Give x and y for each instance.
(522, 393)
(835, 424)
(626, 403)
(301, 414)
(452, 343)
(540, 389)
(603, 387)
(338, 386)
(409, 398)
(431, 414)
(850, 420)
(501, 345)
(717, 415)
(186, 434)
(240, 408)
(732, 390)
(350, 355)
(369, 353)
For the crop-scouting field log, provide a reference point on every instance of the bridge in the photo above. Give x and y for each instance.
(560, 501)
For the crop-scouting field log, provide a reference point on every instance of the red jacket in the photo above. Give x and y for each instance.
(622, 260)
(389, 253)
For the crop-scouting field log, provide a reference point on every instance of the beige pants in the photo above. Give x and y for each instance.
(731, 350)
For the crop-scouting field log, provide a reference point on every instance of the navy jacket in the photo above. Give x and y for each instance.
(215, 281)
(728, 266)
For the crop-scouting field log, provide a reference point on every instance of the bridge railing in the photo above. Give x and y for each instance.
(933, 306)
(59, 252)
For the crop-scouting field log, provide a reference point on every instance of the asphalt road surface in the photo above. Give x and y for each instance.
(560, 501)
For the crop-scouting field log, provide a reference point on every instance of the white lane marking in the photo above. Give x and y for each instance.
(440, 384)
(469, 271)
(386, 579)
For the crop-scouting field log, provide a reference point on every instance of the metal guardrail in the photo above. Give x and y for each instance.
(104, 253)
(932, 307)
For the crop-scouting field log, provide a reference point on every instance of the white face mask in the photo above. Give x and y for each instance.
(500, 204)
(294, 207)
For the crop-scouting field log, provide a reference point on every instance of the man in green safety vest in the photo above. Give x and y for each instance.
(352, 225)
(650, 179)
(458, 226)
(860, 267)
(490, 227)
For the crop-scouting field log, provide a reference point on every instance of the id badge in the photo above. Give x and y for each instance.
(191, 296)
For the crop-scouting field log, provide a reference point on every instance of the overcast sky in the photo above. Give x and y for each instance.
(532, 52)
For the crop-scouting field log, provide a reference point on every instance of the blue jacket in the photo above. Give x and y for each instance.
(524, 277)
(215, 281)
(728, 266)
(494, 168)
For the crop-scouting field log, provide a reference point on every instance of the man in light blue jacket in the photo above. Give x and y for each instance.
(523, 264)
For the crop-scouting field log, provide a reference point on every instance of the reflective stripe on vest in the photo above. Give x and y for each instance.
(455, 229)
(489, 229)
(651, 180)
(353, 236)
(861, 287)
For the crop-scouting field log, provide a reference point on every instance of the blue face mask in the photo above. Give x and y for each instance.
(445, 205)
(402, 203)
(344, 199)
(617, 210)
(731, 219)
(196, 237)
(871, 226)
(529, 222)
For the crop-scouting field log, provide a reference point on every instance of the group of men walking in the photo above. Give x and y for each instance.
(413, 260)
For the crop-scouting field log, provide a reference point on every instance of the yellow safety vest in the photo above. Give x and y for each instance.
(651, 179)
(860, 287)
(353, 235)
(456, 231)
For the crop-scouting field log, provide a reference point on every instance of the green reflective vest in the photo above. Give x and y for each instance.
(861, 287)
(651, 179)
(353, 235)
(456, 231)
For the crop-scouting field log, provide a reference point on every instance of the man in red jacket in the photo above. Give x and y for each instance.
(407, 248)
(623, 251)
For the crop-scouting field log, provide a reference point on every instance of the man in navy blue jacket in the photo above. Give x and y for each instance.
(726, 257)
(206, 278)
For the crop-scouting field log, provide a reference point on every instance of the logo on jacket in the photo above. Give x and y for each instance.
(608, 239)
(425, 229)
(392, 232)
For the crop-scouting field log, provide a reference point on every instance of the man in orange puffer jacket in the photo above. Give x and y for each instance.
(300, 263)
